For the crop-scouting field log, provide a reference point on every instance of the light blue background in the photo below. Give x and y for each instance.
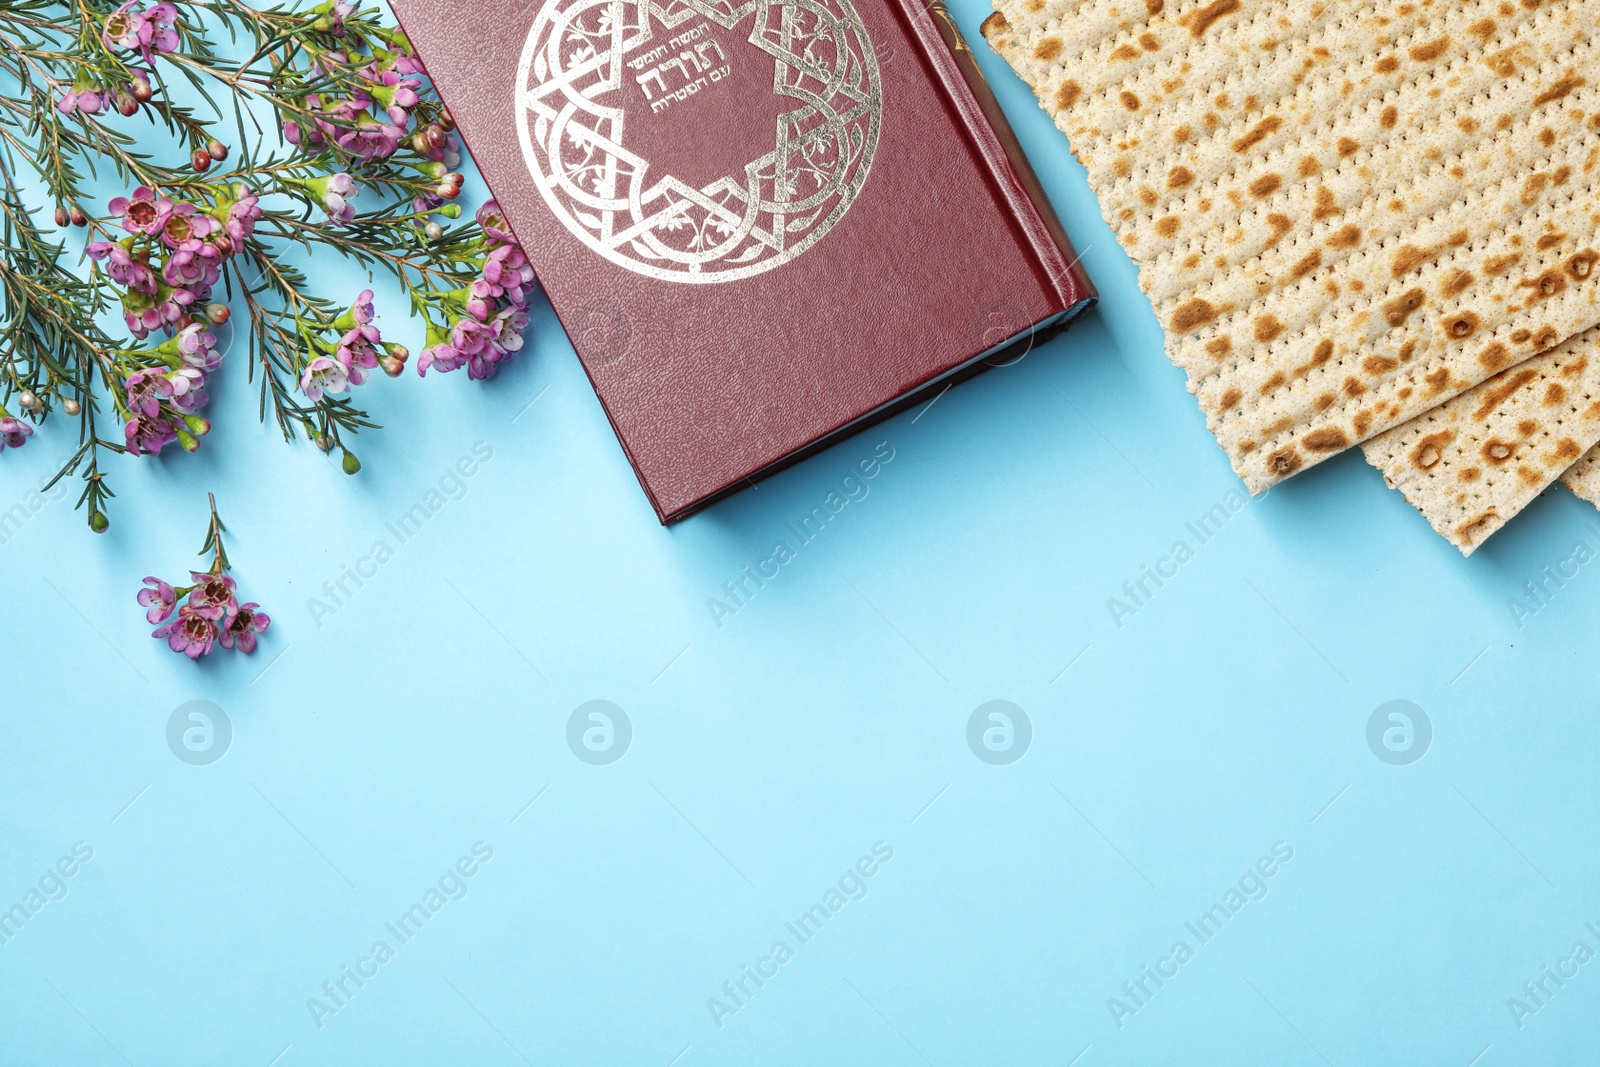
(375, 746)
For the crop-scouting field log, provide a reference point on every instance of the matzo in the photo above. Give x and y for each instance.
(1583, 478)
(1472, 463)
(1343, 214)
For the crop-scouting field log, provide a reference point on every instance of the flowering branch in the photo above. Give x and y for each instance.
(211, 614)
(326, 106)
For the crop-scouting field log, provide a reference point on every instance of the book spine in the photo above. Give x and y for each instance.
(991, 136)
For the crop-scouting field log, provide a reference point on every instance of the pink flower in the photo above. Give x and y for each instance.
(394, 94)
(358, 353)
(122, 267)
(145, 433)
(87, 101)
(159, 598)
(507, 269)
(481, 298)
(189, 633)
(192, 265)
(185, 226)
(13, 432)
(146, 390)
(162, 311)
(493, 221)
(213, 596)
(141, 318)
(242, 631)
(507, 330)
(144, 212)
(443, 355)
(369, 138)
(197, 347)
(324, 375)
(142, 31)
(337, 192)
(361, 310)
(308, 138)
(242, 217)
(188, 389)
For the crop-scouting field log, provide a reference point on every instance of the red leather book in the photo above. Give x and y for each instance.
(763, 223)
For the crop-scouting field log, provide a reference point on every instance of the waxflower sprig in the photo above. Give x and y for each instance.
(319, 135)
(198, 618)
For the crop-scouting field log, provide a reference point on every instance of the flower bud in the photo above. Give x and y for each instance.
(98, 521)
(434, 231)
(448, 190)
(141, 89)
(29, 400)
(71, 407)
(391, 366)
(127, 106)
(62, 218)
(449, 211)
(435, 136)
(197, 425)
(188, 441)
(323, 442)
(350, 463)
(201, 160)
(217, 314)
(78, 217)
(419, 142)
(399, 351)
(433, 169)
(216, 150)
(446, 123)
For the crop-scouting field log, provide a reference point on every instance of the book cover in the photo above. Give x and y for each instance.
(763, 224)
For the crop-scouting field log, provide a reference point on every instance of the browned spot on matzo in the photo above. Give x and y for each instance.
(1327, 439)
(1409, 258)
(1327, 206)
(1559, 90)
(1306, 264)
(1427, 53)
(1398, 310)
(1497, 265)
(1192, 315)
(1498, 452)
(1495, 357)
(1284, 462)
(1460, 326)
(1425, 455)
(1456, 283)
(1565, 452)
(1267, 328)
(1258, 133)
(1198, 22)
(1496, 395)
(1345, 237)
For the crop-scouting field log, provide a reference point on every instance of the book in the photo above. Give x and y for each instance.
(764, 224)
